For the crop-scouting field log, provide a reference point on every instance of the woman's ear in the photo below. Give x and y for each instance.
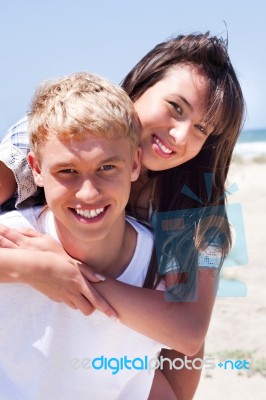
(36, 170)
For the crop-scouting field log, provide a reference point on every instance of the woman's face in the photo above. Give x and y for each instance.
(171, 113)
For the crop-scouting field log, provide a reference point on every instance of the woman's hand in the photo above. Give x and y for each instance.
(28, 239)
(50, 270)
(66, 280)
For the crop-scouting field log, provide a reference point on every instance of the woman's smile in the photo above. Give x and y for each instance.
(161, 148)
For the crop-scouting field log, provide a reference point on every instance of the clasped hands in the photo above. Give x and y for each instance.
(50, 270)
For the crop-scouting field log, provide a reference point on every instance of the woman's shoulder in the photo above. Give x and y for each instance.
(17, 135)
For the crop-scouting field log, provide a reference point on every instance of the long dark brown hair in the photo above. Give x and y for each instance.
(204, 176)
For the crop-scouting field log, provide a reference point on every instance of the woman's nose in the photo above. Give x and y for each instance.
(180, 134)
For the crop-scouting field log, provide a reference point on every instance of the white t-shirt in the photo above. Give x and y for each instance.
(49, 351)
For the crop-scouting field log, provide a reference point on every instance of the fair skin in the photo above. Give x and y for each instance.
(171, 113)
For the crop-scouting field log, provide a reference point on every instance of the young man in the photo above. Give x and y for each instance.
(84, 153)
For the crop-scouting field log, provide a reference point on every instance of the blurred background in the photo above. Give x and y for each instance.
(47, 39)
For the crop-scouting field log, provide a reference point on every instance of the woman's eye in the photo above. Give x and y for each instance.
(176, 107)
(201, 128)
(107, 167)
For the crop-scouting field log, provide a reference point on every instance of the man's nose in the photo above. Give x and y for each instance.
(88, 191)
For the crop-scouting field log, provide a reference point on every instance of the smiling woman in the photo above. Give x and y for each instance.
(172, 114)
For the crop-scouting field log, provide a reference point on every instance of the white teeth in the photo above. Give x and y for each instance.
(89, 213)
(162, 146)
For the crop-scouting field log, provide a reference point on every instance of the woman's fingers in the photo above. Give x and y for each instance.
(87, 299)
(16, 236)
(82, 304)
(98, 302)
(29, 232)
(28, 239)
(7, 244)
(89, 273)
(8, 239)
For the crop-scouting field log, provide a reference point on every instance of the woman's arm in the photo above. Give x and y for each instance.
(57, 276)
(184, 381)
(181, 326)
(7, 183)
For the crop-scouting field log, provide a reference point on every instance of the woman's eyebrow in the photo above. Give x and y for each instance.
(186, 102)
(183, 99)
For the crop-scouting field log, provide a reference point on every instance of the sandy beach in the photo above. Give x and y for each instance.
(238, 326)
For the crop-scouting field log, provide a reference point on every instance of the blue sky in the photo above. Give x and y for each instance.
(44, 39)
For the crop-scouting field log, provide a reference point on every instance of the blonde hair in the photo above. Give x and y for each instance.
(73, 105)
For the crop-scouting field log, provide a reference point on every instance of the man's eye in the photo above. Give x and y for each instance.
(67, 171)
(107, 167)
(176, 107)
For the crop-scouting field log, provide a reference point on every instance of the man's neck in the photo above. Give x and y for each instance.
(109, 256)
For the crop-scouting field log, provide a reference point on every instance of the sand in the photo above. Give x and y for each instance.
(238, 326)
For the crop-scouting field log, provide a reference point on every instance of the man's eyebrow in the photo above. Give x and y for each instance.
(64, 165)
(113, 159)
(71, 164)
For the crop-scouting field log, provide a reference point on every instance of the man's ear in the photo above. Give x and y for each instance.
(36, 170)
(136, 164)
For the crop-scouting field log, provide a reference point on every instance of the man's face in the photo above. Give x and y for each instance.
(87, 183)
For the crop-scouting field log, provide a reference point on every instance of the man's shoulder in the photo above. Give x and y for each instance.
(141, 227)
(136, 271)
